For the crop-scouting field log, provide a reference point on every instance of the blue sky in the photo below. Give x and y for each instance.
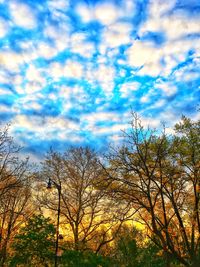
(71, 70)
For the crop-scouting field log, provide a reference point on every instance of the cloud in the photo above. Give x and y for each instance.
(11, 60)
(154, 61)
(58, 4)
(46, 50)
(117, 34)
(73, 70)
(70, 68)
(45, 128)
(80, 45)
(103, 130)
(168, 88)
(106, 13)
(22, 15)
(60, 35)
(100, 116)
(104, 75)
(85, 12)
(127, 88)
(4, 28)
(129, 7)
(174, 24)
(34, 74)
(32, 87)
(144, 55)
(140, 54)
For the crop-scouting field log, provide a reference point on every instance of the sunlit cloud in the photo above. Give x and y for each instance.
(22, 15)
(106, 13)
(11, 60)
(85, 12)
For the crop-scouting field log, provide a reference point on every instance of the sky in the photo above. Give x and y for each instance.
(72, 70)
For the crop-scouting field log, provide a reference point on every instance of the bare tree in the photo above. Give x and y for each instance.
(12, 170)
(85, 209)
(160, 176)
(15, 191)
(15, 208)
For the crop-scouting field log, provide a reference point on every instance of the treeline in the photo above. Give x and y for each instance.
(136, 205)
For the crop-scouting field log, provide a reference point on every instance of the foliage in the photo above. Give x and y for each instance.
(34, 245)
(132, 251)
(73, 258)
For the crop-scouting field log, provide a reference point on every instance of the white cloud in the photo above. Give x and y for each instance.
(160, 103)
(58, 4)
(149, 57)
(4, 28)
(129, 7)
(89, 122)
(152, 122)
(174, 25)
(46, 50)
(64, 93)
(27, 100)
(56, 71)
(4, 109)
(72, 137)
(79, 45)
(188, 72)
(59, 35)
(4, 76)
(35, 75)
(85, 12)
(69, 69)
(127, 88)
(11, 60)
(117, 34)
(141, 53)
(144, 99)
(101, 116)
(17, 80)
(33, 105)
(22, 15)
(116, 128)
(5, 91)
(144, 54)
(175, 50)
(46, 128)
(35, 80)
(33, 87)
(105, 77)
(152, 69)
(106, 13)
(157, 8)
(168, 89)
(73, 70)
(116, 139)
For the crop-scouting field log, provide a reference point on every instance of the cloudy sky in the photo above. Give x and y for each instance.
(71, 70)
